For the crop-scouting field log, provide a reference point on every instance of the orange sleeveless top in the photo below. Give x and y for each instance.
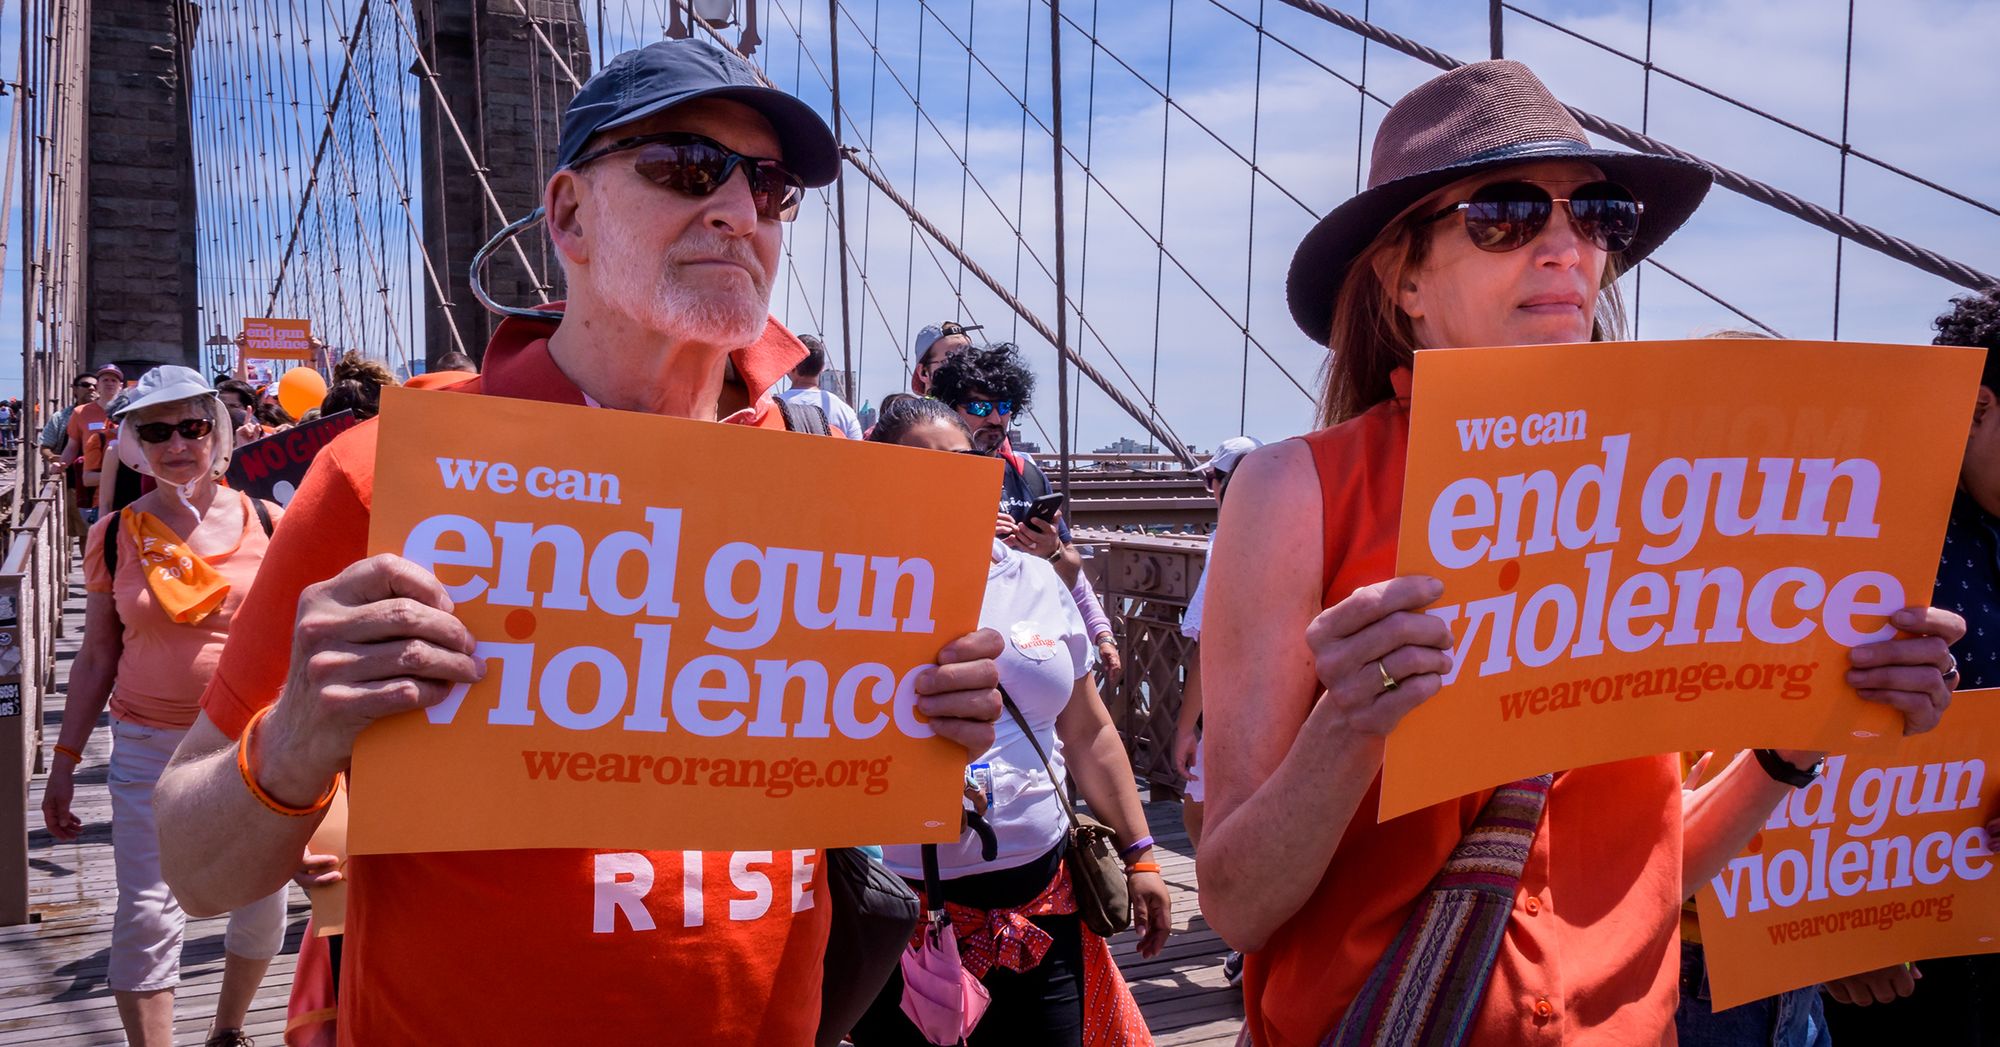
(1591, 954)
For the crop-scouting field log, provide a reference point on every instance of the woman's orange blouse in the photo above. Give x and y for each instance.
(1591, 954)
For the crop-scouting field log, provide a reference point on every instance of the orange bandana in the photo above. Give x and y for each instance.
(187, 588)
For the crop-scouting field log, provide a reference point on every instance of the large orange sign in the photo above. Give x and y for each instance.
(1885, 859)
(696, 636)
(1650, 547)
(272, 338)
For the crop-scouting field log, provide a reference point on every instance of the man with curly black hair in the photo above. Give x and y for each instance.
(988, 386)
(1958, 999)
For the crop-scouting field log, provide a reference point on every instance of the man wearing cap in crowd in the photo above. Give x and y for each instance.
(87, 421)
(934, 344)
(676, 172)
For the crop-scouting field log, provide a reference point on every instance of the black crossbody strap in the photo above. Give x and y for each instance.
(1062, 792)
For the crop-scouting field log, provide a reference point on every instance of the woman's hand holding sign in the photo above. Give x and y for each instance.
(376, 640)
(1914, 673)
(960, 697)
(1378, 655)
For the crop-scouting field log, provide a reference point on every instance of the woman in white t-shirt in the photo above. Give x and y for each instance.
(1009, 897)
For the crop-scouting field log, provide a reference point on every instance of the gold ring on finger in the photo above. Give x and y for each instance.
(1389, 683)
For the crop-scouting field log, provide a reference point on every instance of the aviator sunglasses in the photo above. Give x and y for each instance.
(1506, 216)
(698, 166)
(161, 432)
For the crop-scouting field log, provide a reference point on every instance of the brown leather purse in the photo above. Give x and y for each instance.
(1103, 898)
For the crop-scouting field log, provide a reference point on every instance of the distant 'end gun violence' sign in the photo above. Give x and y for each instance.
(1884, 859)
(1650, 547)
(696, 636)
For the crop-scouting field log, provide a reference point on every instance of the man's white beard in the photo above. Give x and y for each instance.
(644, 289)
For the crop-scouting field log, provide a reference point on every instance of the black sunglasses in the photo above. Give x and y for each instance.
(982, 408)
(161, 432)
(1506, 216)
(698, 166)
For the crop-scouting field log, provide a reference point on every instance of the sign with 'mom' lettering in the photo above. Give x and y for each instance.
(696, 636)
(1885, 859)
(1649, 547)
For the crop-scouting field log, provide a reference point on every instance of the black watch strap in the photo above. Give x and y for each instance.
(1781, 769)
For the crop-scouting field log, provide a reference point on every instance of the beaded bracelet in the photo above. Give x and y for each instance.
(1142, 867)
(64, 750)
(250, 778)
(1135, 847)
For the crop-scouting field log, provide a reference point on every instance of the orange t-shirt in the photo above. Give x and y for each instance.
(164, 665)
(1591, 953)
(85, 422)
(539, 946)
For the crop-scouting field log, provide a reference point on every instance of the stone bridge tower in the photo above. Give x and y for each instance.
(505, 94)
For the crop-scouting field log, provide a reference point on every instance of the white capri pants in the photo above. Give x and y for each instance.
(146, 933)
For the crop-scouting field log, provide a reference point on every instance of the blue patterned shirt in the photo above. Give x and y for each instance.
(1968, 583)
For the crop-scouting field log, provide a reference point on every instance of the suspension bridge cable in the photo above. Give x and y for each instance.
(1771, 196)
(416, 230)
(1150, 420)
(430, 78)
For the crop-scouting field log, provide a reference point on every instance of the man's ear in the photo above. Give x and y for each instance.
(1983, 403)
(563, 202)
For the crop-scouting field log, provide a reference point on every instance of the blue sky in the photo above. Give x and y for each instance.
(1176, 326)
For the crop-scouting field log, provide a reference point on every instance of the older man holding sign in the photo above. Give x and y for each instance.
(676, 172)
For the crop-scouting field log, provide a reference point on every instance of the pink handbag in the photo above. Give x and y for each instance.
(940, 996)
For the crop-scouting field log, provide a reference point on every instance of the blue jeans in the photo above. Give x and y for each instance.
(1791, 1019)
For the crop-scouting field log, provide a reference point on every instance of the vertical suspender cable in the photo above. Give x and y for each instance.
(1846, 100)
(1493, 19)
(1062, 251)
(840, 197)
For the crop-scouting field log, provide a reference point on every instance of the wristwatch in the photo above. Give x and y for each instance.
(1782, 770)
(1055, 557)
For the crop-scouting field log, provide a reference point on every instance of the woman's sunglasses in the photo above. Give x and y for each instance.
(698, 166)
(161, 432)
(1505, 216)
(982, 408)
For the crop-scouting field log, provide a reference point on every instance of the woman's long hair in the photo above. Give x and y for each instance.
(1372, 336)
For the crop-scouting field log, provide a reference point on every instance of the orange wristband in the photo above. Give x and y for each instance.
(1142, 867)
(250, 777)
(75, 757)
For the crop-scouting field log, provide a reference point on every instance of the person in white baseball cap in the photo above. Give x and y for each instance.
(165, 578)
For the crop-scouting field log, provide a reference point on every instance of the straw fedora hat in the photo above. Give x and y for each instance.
(1471, 119)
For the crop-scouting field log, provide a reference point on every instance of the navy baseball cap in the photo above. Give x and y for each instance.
(659, 76)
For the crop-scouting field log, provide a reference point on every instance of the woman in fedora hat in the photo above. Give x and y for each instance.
(1489, 220)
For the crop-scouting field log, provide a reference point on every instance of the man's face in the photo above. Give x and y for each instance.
(85, 390)
(239, 409)
(988, 431)
(689, 268)
(108, 388)
(934, 357)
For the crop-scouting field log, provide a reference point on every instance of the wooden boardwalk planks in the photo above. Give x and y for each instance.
(52, 989)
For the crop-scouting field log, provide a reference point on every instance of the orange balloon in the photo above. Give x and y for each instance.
(300, 390)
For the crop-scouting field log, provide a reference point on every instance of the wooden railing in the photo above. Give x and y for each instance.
(34, 574)
(1145, 581)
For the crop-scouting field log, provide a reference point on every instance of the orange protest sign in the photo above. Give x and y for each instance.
(275, 338)
(1650, 547)
(696, 636)
(1883, 860)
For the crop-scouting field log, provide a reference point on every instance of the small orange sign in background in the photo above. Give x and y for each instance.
(1649, 547)
(274, 338)
(697, 636)
(1883, 860)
